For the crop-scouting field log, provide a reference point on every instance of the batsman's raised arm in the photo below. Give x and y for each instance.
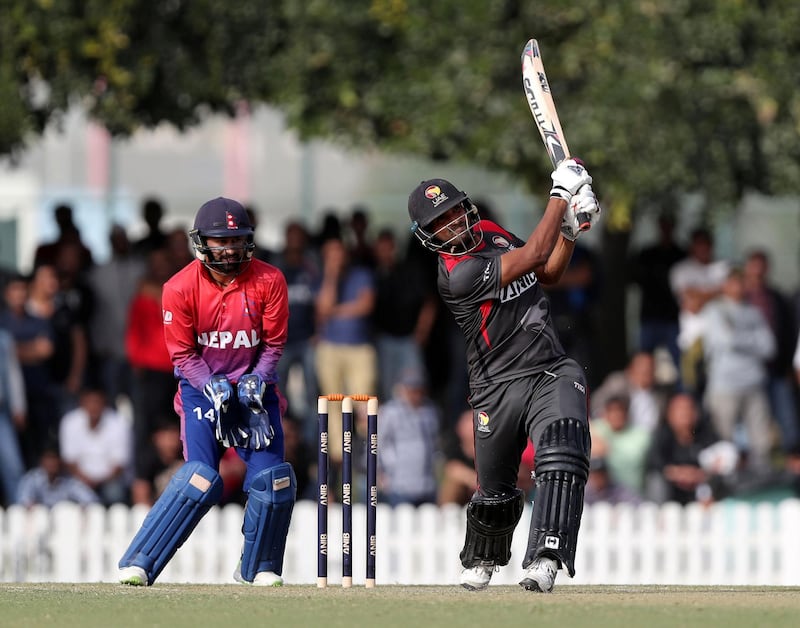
(545, 253)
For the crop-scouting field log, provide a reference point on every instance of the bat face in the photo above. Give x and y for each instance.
(553, 143)
(540, 101)
(543, 109)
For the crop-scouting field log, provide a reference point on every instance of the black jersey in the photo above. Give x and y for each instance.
(509, 331)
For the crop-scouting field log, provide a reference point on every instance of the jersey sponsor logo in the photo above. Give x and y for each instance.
(167, 317)
(224, 339)
(517, 287)
(483, 422)
(579, 386)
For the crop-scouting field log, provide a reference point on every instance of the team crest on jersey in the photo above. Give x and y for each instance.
(500, 242)
(483, 422)
(167, 317)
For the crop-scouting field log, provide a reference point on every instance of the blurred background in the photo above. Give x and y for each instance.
(132, 113)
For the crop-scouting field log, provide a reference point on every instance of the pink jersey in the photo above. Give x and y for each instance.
(234, 330)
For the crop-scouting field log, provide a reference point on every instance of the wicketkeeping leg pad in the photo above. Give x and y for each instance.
(490, 528)
(191, 492)
(561, 465)
(267, 515)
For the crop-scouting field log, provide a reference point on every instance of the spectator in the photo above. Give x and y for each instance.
(13, 410)
(737, 343)
(695, 280)
(35, 345)
(96, 446)
(155, 238)
(153, 385)
(331, 229)
(302, 274)
(404, 313)
(658, 306)
(675, 461)
(345, 359)
(600, 487)
(638, 383)
(157, 464)
(66, 312)
(113, 284)
(573, 303)
(50, 483)
(300, 455)
(459, 480)
(778, 312)
(361, 249)
(409, 443)
(178, 248)
(622, 444)
(68, 234)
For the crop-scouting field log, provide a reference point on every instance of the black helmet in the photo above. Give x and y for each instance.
(432, 198)
(221, 218)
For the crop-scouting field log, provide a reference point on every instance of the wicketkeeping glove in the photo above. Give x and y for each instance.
(218, 391)
(583, 204)
(568, 178)
(259, 430)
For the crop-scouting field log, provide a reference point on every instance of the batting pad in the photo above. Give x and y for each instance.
(191, 492)
(490, 528)
(267, 515)
(562, 468)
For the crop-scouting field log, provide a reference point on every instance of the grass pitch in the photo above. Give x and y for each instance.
(233, 606)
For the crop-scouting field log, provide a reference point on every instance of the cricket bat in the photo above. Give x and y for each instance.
(543, 109)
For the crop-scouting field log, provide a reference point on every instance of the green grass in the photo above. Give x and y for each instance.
(235, 606)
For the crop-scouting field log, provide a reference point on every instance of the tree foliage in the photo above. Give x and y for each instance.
(660, 97)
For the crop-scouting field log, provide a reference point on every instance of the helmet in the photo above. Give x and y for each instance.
(431, 199)
(222, 218)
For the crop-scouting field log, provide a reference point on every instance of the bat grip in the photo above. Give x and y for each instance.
(584, 219)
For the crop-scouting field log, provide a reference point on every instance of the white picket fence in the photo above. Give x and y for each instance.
(726, 544)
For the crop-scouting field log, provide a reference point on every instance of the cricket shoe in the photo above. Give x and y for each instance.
(133, 575)
(262, 578)
(540, 576)
(477, 578)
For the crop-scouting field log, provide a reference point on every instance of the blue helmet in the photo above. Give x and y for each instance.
(222, 218)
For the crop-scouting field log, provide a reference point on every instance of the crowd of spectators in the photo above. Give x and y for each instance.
(706, 407)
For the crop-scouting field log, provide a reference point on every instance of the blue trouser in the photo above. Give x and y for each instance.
(200, 442)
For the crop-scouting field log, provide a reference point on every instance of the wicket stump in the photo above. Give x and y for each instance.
(371, 501)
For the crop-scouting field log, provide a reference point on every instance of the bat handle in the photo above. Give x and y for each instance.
(584, 219)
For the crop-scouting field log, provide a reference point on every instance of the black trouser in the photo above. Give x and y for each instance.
(506, 414)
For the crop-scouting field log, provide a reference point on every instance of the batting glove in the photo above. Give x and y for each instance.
(569, 177)
(583, 209)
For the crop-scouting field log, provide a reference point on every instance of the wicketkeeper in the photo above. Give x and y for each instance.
(225, 323)
(522, 385)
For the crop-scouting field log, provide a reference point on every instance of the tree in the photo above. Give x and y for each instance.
(663, 96)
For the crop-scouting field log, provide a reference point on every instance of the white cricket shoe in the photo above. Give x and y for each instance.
(267, 579)
(262, 578)
(477, 578)
(133, 575)
(540, 576)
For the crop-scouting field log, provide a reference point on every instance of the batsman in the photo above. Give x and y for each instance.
(522, 385)
(225, 319)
